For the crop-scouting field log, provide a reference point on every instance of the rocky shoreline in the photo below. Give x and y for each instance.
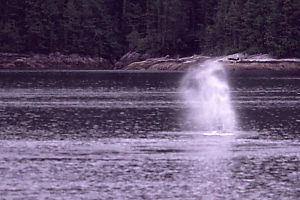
(135, 61)
(52, 61)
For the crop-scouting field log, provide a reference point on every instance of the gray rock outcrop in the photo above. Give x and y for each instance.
(238, 61)
(166, 63)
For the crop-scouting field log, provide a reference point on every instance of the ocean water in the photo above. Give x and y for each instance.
(125, 135)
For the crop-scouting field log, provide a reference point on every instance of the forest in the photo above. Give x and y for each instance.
(110, 28)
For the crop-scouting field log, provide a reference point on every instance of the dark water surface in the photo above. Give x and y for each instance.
(122, 135)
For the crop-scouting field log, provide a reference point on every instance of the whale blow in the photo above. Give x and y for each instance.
(206, 95)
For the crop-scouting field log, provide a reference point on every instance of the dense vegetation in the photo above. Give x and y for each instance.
(111, 28)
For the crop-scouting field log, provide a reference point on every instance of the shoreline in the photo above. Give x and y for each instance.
(57, 61)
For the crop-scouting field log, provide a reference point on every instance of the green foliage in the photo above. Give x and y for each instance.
(283, 28)
(110, 28)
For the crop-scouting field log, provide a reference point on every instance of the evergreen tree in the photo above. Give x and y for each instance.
(12, 25)
(254, 26)
(34, 26)
(110, 28)
(52, 24)
(135, 24)
(283, 28)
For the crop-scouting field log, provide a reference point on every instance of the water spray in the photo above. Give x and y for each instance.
(206, 94)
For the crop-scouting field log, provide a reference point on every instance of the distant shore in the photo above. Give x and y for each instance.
(131, 61)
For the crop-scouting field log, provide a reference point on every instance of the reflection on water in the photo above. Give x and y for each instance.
(109, 135)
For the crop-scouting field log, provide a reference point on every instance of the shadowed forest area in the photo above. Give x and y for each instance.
(110, 28)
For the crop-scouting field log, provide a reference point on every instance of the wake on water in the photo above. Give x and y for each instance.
(206, 94)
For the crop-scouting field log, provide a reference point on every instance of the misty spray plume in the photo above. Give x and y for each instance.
(206, 94)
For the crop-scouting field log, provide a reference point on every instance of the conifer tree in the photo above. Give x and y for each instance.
(110, 28)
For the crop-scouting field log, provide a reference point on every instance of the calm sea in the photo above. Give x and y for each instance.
(123, 135)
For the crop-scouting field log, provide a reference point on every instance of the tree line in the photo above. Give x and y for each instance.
(110, 28)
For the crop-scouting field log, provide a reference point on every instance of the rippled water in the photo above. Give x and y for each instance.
(123, 135)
